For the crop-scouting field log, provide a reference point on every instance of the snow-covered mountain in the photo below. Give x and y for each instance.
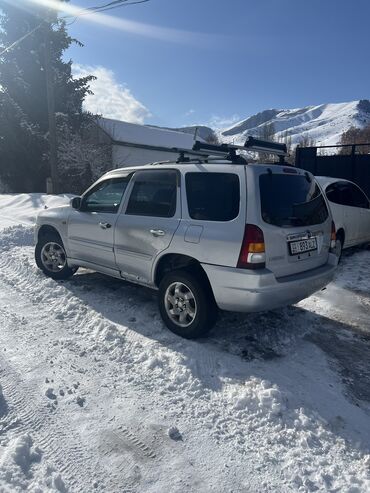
(322, 124)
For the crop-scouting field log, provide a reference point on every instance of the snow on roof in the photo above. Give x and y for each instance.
(144, 134)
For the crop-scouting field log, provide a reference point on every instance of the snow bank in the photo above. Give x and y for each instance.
(14, 236)
(259, 397)
(23, 208)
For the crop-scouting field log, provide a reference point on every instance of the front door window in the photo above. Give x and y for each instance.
(106, 196)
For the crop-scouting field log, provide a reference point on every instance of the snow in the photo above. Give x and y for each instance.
(96, 395)
(23, 208)
(21, 461)
(323, 124)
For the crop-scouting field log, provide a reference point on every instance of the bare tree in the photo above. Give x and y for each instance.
(81, 160)
(286, 138)
(306, 141)
(212, 138)
(266, 132)
(354, 136)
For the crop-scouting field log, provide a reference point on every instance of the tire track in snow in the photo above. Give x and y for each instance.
(25, 279)
(48, 429)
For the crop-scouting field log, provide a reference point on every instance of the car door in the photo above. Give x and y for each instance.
(334, 196)
(146, 226)
(361, 202)
(351, 214)
(91, 228)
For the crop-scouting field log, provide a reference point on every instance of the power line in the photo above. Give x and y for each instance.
(103, 8)
(90, 10)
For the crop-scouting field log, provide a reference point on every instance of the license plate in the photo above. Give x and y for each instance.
(302, 246)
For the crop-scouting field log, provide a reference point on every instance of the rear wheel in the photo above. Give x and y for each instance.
(186, 304)
(51, 257)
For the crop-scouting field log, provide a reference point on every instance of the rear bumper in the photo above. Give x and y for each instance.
(241, 290)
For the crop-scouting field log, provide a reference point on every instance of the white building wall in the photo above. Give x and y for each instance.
(130, 134)
(123, 156)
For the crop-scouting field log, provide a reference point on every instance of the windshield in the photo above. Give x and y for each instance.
(291, 200)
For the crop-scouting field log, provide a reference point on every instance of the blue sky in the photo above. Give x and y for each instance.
(236, 58)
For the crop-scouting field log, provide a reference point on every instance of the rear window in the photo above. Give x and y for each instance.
(213, 196)
(291, 200)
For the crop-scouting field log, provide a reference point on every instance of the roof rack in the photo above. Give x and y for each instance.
(228, 151)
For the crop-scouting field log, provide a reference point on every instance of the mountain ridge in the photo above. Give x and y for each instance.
(321, 124)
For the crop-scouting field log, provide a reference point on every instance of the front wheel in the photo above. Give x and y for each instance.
(186, 304)
(51, 258)
(339, 248)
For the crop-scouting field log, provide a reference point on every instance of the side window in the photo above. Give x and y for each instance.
(106, 196)
(340, 193)
(213, 196)
(359, 199)
(153, 194)
(333, 193)
(344, 193)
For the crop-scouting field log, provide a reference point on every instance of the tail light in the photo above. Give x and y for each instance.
(333, 237)
(252, 253)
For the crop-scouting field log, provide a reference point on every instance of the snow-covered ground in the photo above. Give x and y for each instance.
(96, 395)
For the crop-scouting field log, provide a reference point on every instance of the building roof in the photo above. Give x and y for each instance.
(126, 133)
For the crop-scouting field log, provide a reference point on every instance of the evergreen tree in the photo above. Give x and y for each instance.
(23, 82)
(21, 148)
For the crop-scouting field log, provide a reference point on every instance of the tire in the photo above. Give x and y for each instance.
(52, 246)
(339, 248)
(186, 304)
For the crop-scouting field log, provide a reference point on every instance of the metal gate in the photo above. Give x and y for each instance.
(352, 166)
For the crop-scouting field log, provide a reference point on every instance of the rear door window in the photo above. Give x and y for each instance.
(291, 200)
(153, 194)
(213, 196)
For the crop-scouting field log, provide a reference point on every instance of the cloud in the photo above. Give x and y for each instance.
(190, 112)
(221, 122)
(111, 99)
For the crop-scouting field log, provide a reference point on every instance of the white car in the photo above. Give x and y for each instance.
(350, 209)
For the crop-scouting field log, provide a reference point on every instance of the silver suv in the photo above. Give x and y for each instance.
(206, 235)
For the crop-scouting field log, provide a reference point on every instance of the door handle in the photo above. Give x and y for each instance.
(105, 225)
(157, 232)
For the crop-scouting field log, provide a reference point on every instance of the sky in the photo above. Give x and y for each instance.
(213, 62)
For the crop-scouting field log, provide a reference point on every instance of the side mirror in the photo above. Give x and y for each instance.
(76, 203)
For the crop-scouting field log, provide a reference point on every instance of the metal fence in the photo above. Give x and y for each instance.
(354, 165)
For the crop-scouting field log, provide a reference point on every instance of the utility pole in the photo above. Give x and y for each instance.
(50, 80)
